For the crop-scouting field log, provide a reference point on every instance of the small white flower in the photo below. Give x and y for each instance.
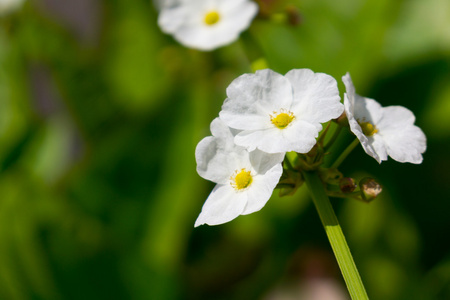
(383, 131)
(245, 181)
(7, 6)
(279, 113)
(207, 24)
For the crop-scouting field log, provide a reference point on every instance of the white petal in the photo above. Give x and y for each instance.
(350, 90)
(367, 110)
(220, 130)
(212, 161)
(170, 19)
(263, 162)
(378, 146)
(238, 13)
(362, 109)
(299, 137)
(406, 145)
(261, 189)
(302, 136)
(404, 141)
(366, 142)
(252, 98)
(395, 118)
(316, 96)
(223, 205)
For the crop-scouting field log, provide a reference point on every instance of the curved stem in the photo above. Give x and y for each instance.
(344, 154)
(335, 236)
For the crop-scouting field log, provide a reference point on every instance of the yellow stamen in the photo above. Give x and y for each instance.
(283, 119)
(368, 128)
(212, 18)
(241, 180)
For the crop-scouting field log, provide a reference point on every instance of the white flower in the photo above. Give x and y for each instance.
(383, 131)
(207, 24)
(165, 3)
(7, 6)
(245, 181)
(279, 113)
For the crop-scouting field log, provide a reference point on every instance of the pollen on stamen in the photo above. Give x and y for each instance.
(368, 128)
(283, 119)
(212, 18)
(241, 179)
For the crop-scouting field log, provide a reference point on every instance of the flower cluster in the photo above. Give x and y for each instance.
(267, 114)
(206, 25)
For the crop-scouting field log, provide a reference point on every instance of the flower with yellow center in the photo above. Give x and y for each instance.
(367, 128)
(241, 179)
(244, 180)
(278, 114)
(282, 120)
(212, 18)
(207, 25)
(383, 131)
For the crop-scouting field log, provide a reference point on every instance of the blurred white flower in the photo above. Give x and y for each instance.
(245, 181)
(165, 3)
(383, 131)
(207, 24)
(279, 113)
(7, 6)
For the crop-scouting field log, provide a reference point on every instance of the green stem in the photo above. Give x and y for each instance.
(344, 154)
(335, 236)
(333, 138)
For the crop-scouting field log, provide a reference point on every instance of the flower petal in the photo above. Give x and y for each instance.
(366, 142)
(261, 189)
(239, 13)
(223, 205)
(263, 162)
(316, 96)
(252, 98)
(406, 145)
(212, 162)
(405, 142)
(300, 137)
(170, 19)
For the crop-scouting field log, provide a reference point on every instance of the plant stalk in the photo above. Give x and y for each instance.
(335, 236)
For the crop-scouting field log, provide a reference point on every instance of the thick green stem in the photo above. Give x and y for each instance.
(335, 236)
(344, 154)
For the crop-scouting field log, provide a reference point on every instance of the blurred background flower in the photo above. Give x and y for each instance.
(100, 113)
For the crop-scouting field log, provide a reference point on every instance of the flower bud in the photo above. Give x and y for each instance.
(369, 189)
(347, 185)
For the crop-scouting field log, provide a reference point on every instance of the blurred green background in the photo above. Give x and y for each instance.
(100, 114)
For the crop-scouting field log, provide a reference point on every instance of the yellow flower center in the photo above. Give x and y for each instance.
(368, 128)
(283, 119)
(212, 18)
(241, 180)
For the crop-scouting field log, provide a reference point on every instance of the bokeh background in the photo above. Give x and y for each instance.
(100, 114)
